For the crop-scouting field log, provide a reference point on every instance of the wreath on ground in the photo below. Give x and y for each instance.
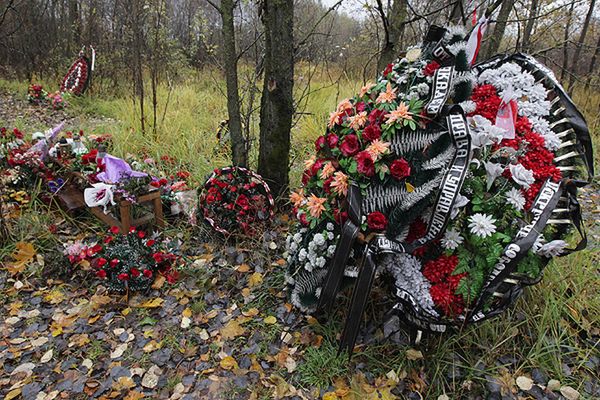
(236, 200)
(456, 184)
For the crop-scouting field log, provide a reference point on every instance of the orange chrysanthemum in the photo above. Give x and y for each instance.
(327, 171)
(335, 118)
(358, 121)
(398, 114)
(315, 205)
(308, 163)
(340, 183)
(297, 198)
(378, 148)
(388, 96)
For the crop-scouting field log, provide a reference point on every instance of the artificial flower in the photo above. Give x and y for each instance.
(335, 118)
(358, 121)
(400, 168)
(365, 89)
(452, 239)
(328, 170)
(297, 198)
(552, 249)
(389, 96)
(316, 205)
(521, 175)
(400, 113)
(482, 225)
(371, 132)
(350, 146)
(377, 148)
(365, 163)
(377, 221)
(515, 198)
(340, 183)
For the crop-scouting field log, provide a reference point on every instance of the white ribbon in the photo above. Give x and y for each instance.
(474, 42)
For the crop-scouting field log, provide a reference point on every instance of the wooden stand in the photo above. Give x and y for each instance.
(71, 199)
(125, 213)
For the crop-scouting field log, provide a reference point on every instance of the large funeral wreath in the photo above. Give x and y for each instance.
(457, 183)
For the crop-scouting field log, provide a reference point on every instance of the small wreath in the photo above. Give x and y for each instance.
(77, 79)
(235, 199)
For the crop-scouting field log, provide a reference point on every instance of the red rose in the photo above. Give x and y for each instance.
(332, 140)
(108, 239)
(377, 221)
(114, 262)
(430, 68)
(123, 277)
(101, 262)
(361, 106)
(147, 273)
(132, 229)
(319, 143)
(400, 168)
(183, 174)
(340, 216)
(101, 274)
(243, 202)
(316, 167)
(155, 184)
(388, 69)
(371, 132)
(349, 146)
(150, 243)
(376, 116)
(141, 234)
(135, 272)
(365, 163)
(172, 277)
(158, 257)
(303, 219)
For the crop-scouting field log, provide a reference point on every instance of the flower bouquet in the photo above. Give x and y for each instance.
(456, 186)
(36, 94)
(129, 261)
(235, 199)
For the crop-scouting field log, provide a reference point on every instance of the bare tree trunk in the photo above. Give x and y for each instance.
(393, 25)
(238, 144)
(533, 11)
(457, 12)
(565, 61)
(137, 24)
(580, 42)
(75, 24)
(495, 39)
(277, 105)
(592, 65)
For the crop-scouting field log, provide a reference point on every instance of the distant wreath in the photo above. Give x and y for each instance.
(236, 200)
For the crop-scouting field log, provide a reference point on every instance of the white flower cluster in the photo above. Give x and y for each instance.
(483, 133)
(531, 97)
(316, 252)
(549, 249)
(405, 269)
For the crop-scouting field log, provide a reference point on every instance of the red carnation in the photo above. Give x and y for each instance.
(430, 68)
(377, 221)
(365, 163)
(123, 277)
(371, 132)
(114, 262)
(150, 243)
(349, 146)
(400, 168)
(135, 272)
(388, 69)
(316, 167)
(101, 274)
(141, 234)
(101, 262)
(303, 219)
(147, 273)
(332, 140)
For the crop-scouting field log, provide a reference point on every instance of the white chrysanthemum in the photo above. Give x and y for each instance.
(553, 248)
(468, 106)
(330, 236)
(308, 266)
(329, 226)
(483, 133)
(482, 225)
(451, 239)
(320, 262)
(293, 247)
(298, 237)
(331, 251)
(521, 175)
(302, 255)
(515, 198)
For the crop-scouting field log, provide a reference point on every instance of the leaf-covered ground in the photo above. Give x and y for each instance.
(227, 331)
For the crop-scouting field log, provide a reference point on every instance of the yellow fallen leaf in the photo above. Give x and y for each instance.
(154, 303)
(228, 363)
(413, 354)
(243, 268)
(152, 346)
(187, 312)
(255, 279)
(252, 312)
(231, 330)
(270, 320)
(24, 253)
(13, 394)
(55, 296)
(134, 395)
(330, 396)
(158, 282)
(126, 311)
(123, 383)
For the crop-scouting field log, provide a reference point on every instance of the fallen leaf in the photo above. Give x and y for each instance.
(553, 385)
(569, 393)
(55, 296)
(47, 356)
(151, 346)
(123, 383)
(255, 279)
(243, 268)
(231, 330)
(187, 312)
(13, 394)
(154, 303)
(27, 368)
(413, 354)
(228, 363)
(185, 322)
(270, 320)
(134, 395)
(150, 379)
(23, 255)
(159, 282)
(118, 351)
(524, 383)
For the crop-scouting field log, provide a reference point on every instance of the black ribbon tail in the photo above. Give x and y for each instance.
(350, 230)
(359, 301)
(576, 218)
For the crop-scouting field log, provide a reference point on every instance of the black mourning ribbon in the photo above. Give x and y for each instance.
(350, 231)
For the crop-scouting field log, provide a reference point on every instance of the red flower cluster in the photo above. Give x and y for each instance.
(377, 221)
(236, 199)
(536, 158)
(76, 79)
(444, 284)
